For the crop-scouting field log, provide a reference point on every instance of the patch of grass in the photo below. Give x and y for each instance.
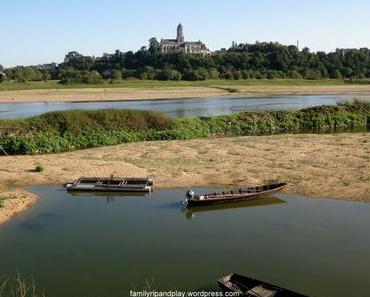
(2, 199)
(358, 81)
(18, 287)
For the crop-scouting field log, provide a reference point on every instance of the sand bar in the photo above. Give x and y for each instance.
(331, 165)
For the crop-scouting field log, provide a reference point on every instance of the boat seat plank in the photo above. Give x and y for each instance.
(260, 291)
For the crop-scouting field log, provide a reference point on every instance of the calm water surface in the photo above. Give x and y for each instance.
(105, 246)
(179, 107)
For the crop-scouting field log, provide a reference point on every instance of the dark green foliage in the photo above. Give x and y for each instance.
(73, 76)
(2, 199)
(243, 61)
(91, 77)
(71, 130)
(116, 75)
(169, 74)
(77, 121)
(27, 73)
(294, 74)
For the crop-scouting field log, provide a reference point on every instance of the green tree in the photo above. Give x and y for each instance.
(70, 75)
(170, 74)
(294, 74)
(153, 45)
(336, 74)
(116, 75)
(91, 77)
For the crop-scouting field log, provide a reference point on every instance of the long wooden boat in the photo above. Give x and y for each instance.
(250, 287)
(246, 194)
(111, 184)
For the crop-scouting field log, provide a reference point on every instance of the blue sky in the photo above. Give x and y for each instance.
(40, 31)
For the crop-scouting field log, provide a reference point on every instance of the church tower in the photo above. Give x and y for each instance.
(180, 34)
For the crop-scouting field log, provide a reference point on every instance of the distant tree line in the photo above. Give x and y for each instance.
(241, 61)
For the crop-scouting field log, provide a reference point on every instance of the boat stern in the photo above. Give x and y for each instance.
(188, 196)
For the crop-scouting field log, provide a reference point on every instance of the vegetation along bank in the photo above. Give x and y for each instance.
(72, 130)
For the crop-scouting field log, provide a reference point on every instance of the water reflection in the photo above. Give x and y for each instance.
(109, 196)
(190, 213)
(38, 222)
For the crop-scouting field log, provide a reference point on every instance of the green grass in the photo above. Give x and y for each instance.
(71, 130)
(2, 199)
(143, 84)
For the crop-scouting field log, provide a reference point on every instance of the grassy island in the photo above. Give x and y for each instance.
(72, 130)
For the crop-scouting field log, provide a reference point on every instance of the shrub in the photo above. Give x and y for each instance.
(336, 74)
(294, 74)
(169, 74)
(116, 75)
(39, 168)
(91, 77)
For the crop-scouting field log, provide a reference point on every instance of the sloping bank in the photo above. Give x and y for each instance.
(72, 130)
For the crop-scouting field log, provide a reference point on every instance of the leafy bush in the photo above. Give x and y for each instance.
(77, 121)
(91, 77)
(39, 168)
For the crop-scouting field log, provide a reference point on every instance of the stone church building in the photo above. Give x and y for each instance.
(179, 45)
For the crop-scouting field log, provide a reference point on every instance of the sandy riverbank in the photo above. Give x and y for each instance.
(103, 94)
(332, 166)
(14, 202)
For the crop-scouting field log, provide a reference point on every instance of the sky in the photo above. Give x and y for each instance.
(41, 31)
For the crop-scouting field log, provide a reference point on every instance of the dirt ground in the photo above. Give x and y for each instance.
(332, 166)
(15, 202)
(109, 94)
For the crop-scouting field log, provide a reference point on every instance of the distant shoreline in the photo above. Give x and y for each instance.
(96, 94)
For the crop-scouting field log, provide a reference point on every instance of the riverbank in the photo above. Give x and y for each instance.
(313, 165)
(140, 90)
(13, 202)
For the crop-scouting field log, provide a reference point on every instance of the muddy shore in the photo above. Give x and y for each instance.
(112, 94)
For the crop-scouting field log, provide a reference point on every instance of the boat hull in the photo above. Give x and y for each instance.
(111, 184)
(246, 286)
(120, 190)
(231, 198)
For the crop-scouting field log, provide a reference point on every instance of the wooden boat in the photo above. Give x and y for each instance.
(111, 184)
(247, 194)
(250, 287)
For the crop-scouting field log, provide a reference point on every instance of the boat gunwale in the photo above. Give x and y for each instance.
(229, 196)
(230, 282)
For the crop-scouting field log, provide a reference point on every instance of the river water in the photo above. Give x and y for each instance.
(107, 245)
(181, 107)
